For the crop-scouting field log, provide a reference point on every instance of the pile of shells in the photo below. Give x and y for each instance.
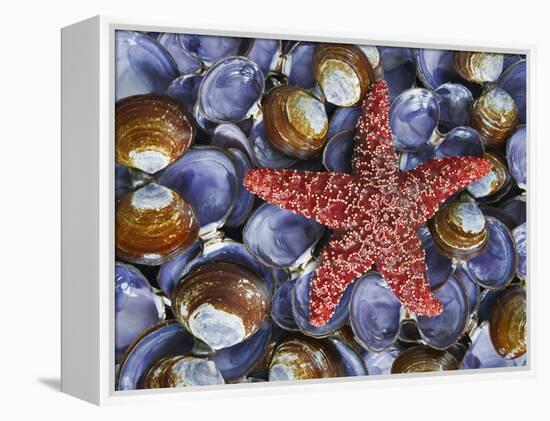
(212, 284)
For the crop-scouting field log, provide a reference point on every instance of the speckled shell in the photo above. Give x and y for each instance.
(181, 371)
(495, 116)
(303, 358)
(421, 359)
(153, 225)
(221, 303)
(343, 72)
(459, 229)
(151, 132)
(494, 185)
(478, 67)
(296, 123)
(508, 323)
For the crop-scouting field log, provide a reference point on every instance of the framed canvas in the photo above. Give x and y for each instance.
(251, 212)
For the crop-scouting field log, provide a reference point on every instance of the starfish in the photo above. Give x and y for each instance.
(374, 213)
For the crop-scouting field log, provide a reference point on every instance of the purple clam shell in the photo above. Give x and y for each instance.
(399, 69)
(229, 135)
(187, 64)
(516, 155)
(510, 59)
(413, 119)
(264, 52)
(487, 300)
(455, 101)
(495, 266)
(374, 313)
(352, 363)
(461, 141)
(245, 199)
(142, 65)
(410, 160)
(343, 118)
(442, 331)
(520, 237)
(230, 90)
(435, 67)
(123, 180)
(164, 340)
(185, 90)
(300, 307)
(211, 48)
(170, 272)
(281, 307)
(137, 307)
(438, 265)
(206, 177)
(482, 354)
(265, 154)
(473, 290)
(299, 66)
(379, 363)
(280, 238)
(313, 164)
(517, 208)
(238, 360)
(338, 152)
(514, 81)
(500, 214)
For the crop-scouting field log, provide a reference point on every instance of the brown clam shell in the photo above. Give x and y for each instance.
(341, 65)
(296, 122)
(495, 116)
(508, 322)
(497, 181)
(299, 358)
(151, 131)
(181, 371)
(478, 67)
(421, 359)
(221, 303)
(459, 230)
(153, 224)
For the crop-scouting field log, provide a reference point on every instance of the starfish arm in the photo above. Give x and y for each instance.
(403, 266)
(325, 197)
(374, 157)
(435, 181)
(343, 259)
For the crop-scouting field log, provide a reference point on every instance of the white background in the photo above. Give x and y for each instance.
(29, 204)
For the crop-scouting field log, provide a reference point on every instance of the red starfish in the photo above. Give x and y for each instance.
(374, 213)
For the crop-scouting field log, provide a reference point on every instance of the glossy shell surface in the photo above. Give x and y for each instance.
(182, 371)
(508, 323)
(420, 359)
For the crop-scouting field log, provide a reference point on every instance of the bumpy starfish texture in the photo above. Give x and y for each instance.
(374, 213)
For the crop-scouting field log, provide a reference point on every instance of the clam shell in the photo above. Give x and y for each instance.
(495, 116)
(280, 238)
(237, 361)
(495, 266)
(503, 216)
(244, 200)
(231, 136)
(410, 160)
(520, 237)
(137, 307)
(435, 67)
(343, 118)
(231, 90)
(516, 156)
(150, 132)
(142, 65)
(338, 152)
(185, 91)
(514, 81)
(374, 313)
(170, 272)
(438, 266)
(459, 230)
(265, 52)
(187, 64)
(508, 323)
(460, 141)
(478, 67)
(182, 371)
(420, 358)
(494, 185)
(343, 73)
(408, 332)
(379, 363)
(153, 225)
(352, 363)
(302, 358)
(472, 290)
(162, 340)
(206, 176)
(221, 303)
(444, 330)
(298, 66)
(211, 48)
(399, 69)
(455, 102)
(413, 119)
(482, 354)
(296, 123)
(265, 154)
(487, 300)
(516, 207)
(281, 307)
